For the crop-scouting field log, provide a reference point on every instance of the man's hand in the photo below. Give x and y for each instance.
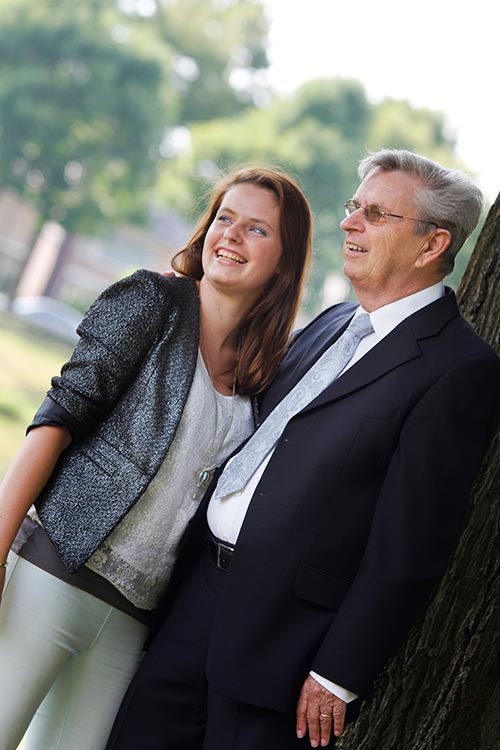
(318, 711)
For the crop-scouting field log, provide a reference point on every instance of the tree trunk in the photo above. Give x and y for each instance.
(442, 690)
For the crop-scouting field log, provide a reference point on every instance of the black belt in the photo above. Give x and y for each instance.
(223, 553)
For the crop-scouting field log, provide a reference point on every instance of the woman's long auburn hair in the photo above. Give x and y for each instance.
(265, 330)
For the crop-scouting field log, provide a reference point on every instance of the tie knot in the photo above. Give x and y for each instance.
(361, 326)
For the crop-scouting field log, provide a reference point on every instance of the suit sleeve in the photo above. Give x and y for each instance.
(418, 518)
(115, 334)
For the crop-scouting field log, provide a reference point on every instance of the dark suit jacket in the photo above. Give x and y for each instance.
(358, 511)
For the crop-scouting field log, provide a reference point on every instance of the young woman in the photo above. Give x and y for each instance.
(158, 392)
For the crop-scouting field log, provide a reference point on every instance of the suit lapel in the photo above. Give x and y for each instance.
(400, 346)
(316, 338)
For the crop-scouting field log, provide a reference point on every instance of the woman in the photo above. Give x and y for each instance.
(157, 393)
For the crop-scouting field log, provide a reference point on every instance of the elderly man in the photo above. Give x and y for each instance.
(319, 544)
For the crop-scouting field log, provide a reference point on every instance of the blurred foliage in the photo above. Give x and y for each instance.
(220, 54)
(87, 91)
(79, 112)
(109, 108)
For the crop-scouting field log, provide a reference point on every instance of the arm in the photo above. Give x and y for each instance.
(418, 517)
(116, 333)
(24, 480)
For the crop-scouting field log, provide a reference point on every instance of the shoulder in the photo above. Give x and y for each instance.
(181, 291)
(147, 287)
(331, 318)
(457, 331)
(143, 297)
(340, 311)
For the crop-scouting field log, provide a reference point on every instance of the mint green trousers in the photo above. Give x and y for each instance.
(66, 659)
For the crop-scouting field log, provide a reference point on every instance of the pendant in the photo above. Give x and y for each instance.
(202, 477)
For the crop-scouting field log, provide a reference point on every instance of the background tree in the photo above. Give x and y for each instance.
(442, 691)
(220, 54)
(87, 92)
(80, 113)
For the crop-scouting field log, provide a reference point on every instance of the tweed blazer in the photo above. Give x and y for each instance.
(122, 393)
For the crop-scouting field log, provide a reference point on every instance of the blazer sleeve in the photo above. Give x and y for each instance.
(115, 335)
(419, 515)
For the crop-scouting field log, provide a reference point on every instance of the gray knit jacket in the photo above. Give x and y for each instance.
(122, 394)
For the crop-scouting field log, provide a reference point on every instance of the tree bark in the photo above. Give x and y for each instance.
(442, 690)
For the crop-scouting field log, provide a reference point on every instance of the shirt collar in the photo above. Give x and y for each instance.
(386, 318)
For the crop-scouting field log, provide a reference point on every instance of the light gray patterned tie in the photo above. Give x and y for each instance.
(322, 373)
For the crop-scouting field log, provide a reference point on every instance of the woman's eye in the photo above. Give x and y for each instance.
(224, 219)
(259, 230)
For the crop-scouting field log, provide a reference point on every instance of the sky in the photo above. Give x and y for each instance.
(438, 54)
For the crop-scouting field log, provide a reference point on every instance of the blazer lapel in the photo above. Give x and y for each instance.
(310, 344)
(398, 347)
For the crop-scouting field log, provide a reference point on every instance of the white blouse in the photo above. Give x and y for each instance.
(138, 556)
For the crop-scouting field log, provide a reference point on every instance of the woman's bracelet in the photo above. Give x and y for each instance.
(4, 564)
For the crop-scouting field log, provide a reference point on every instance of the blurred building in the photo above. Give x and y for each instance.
(18, 227)
(74, 269)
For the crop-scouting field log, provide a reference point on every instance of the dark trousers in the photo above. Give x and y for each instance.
(170, 706)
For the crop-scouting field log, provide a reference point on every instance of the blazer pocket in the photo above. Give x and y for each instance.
(107, 457)
(99, 459)
(321, 587)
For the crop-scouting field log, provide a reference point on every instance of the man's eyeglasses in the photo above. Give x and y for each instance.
(374, 213)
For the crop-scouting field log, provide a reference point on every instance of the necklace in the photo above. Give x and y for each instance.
(204, 473)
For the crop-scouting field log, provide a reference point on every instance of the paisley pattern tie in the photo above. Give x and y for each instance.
(316, 379)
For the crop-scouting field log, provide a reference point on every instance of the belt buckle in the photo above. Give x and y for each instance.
(224, 553)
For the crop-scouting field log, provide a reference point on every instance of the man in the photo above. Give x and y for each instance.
(296, 588)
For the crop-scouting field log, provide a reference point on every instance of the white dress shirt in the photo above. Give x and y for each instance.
(226, 514)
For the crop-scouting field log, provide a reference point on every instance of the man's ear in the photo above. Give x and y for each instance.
(436, 245)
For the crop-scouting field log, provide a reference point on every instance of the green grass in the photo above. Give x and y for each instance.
(28, 360)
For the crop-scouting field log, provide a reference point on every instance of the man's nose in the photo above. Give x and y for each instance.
(356, 220)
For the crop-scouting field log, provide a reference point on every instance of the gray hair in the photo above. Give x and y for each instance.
(447, 198)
